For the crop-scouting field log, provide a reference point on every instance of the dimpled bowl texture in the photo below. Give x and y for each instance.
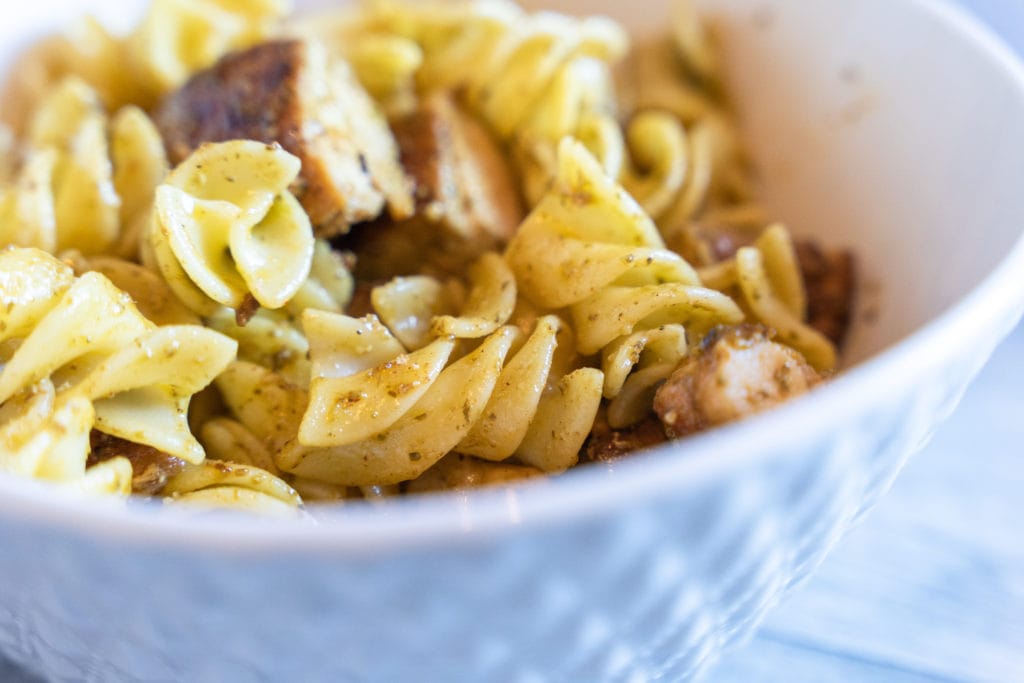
(892, 126)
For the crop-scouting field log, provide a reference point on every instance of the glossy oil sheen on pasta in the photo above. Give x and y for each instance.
(189, 329)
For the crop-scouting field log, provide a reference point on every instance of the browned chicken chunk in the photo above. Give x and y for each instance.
(150, 468)
(289, 92)
(830, 278)
(467, 201)
(738, 372)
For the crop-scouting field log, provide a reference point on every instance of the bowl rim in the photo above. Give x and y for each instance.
(404, 524)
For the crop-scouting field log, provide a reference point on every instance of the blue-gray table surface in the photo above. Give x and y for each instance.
(930, 587)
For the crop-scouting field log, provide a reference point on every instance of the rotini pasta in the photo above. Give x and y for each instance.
(27, 216)
(263, 402)
(408, 306)
(635, 365)
(532, 78)
(220, 484)
(457, 471)
(509, 348)
(86, 183)
(330, 285)
(150, 293)
(274, 338)
(270, 339)
(179, 37)
(139, 377)
(768, 277)
(384, 434)
(226, 228)
(72, 123)
(384, 62)
(48, 439)
(228, 440)
(140, 165)
(172, 40)
(491, 300)
(588, 245)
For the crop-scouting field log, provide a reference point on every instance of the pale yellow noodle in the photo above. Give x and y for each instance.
(219, 484)
(113, 369)
(766, 304)
(226, 227)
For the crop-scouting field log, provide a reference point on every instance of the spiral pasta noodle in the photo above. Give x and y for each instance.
(71, 125)
(138, 377)
(150, 293)
(589, 246)
(367, 390)
(140, 165)
(270, 339)
(117, 374)
(171, 41)
(26, 205)
(226, 228)
(673, 143)
(532, 77)
(478, 405)
(664, 165)
(48, 439)
(634, 367)
(770, 285)
(222, 484)
(179, 37)
(383, 61)
(274, 338)
(265, 404)
(329, 286)
(86, 182)
(409, 305)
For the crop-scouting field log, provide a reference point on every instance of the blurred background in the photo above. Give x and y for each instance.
(930, 587)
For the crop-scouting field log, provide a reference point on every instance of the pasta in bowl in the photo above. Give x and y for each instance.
(683, 547)
(529, 263)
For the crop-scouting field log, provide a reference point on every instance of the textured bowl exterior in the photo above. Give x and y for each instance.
(642, 572)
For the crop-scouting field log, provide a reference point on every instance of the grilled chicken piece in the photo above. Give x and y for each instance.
(607, 445)
(738, 372)
(830, 279)
(467, 201)
(288, 92)
(150, 468)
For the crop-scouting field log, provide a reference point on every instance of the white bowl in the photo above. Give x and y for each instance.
(893, 126)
